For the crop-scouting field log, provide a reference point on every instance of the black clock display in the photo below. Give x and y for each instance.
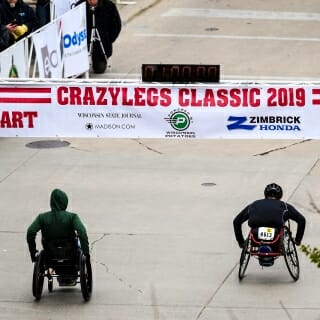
(181, 73)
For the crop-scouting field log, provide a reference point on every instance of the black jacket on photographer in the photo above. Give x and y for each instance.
(21, 15)
(108, 24)
(269, 212)
(6, 39)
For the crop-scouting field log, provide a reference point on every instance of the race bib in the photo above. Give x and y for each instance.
(265, 233)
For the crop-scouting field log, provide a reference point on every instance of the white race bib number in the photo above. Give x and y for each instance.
(265, 233)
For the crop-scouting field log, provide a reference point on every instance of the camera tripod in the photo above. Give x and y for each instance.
(95, 36)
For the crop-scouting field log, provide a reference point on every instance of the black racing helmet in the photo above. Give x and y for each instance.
(273, 190)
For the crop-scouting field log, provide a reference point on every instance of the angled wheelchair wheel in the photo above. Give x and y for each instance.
(291, 255)
(85, 278)
(244, 259)
(38, 277)
(50, 284)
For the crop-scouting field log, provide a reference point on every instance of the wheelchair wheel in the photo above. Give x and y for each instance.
(291, 255)
(244, 259)
(85, 278)
(38, 277)
(50, 284)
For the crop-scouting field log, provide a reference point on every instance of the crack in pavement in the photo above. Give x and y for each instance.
(129, 285)
(281, 148)
(95, 241)
(300, 182)
(19, 166)
(145, 146)
(313, 204)
(216, 291)
(141, 11)
(285, 310)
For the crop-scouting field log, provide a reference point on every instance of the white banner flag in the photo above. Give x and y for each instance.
(131, 110)
(48, 52)
(63, 6)
(13, 63)
(74, 32)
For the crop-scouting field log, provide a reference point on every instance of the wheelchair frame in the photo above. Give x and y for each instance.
(287, 249)
(45, 269)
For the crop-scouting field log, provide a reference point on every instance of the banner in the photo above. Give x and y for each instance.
(74, 32)
(132, 110)
(12, 62)
(63, 6)
(48, 52)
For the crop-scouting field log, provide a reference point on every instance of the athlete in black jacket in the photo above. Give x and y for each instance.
(269, 212)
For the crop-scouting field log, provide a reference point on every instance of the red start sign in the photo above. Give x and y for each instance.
(17, 119)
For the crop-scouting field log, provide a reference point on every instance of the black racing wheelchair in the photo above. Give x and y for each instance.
(266, 245)
(64, 260)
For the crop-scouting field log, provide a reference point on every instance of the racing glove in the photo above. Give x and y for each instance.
(297, 242)
(241, 245)
(34, 256)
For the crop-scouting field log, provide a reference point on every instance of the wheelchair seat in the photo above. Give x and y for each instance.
(61, 256)
(266, 244)
(64, 260)
(61, 250)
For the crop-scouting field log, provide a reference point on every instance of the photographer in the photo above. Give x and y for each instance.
(108, 24)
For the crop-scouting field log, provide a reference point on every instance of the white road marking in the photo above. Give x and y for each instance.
(242, 14)
(205, 36)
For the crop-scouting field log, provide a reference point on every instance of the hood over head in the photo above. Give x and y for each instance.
(59, 200)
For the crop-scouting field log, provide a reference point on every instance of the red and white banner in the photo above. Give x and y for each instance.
(131, 110)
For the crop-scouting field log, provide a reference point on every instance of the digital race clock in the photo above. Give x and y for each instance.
(180, 73)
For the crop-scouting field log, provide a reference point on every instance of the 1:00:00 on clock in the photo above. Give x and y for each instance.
(180, 73)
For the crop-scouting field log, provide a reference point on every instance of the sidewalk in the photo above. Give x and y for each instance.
(129, 9)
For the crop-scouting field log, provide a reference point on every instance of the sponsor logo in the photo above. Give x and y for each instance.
(180, 121)
(74, 39)
(110, 126)
(264, 123)
(89, 126)
(50, 60)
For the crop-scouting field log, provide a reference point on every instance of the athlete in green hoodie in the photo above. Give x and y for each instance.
(57, 224)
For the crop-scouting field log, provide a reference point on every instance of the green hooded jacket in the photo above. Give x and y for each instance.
(57, 224)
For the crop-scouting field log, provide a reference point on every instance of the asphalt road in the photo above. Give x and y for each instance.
(159, 212)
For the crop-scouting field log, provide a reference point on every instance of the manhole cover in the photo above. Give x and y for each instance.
(211, 29)
(47, 144)
(208, 184)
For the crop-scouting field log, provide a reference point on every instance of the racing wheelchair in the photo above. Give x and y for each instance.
(62, 259)
(268, 244)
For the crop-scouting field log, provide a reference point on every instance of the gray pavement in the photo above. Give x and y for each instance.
(162, 242)
(132, 9)
(159, 212)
